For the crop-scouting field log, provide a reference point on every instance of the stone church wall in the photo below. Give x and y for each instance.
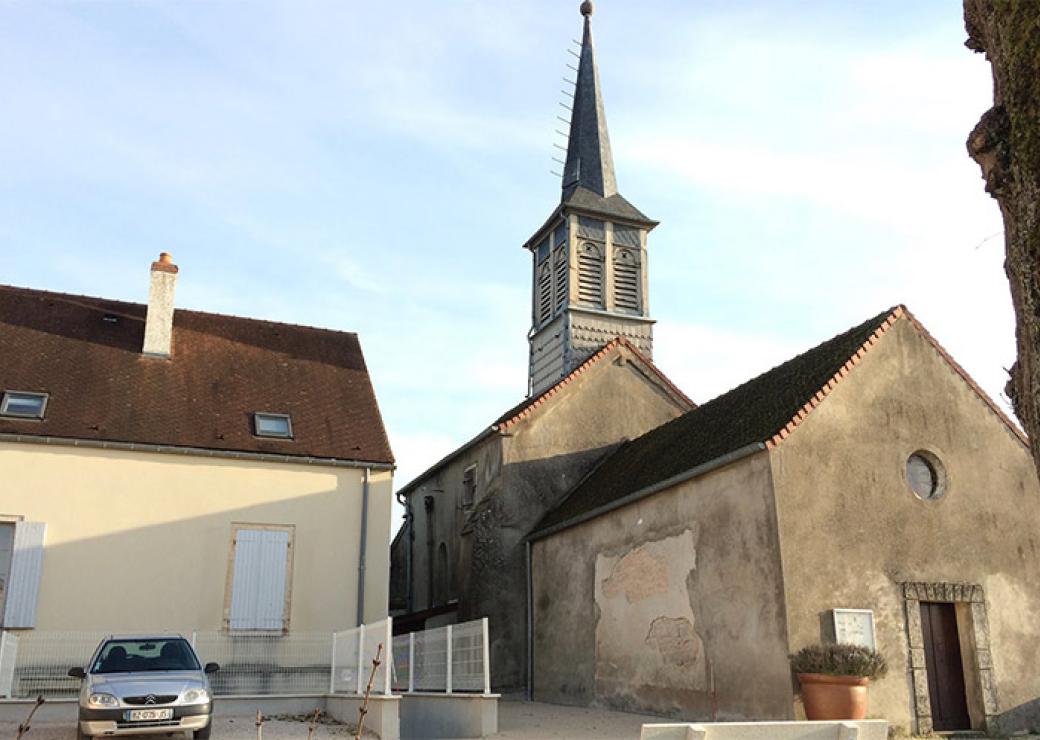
(854, 535)
(642, 608)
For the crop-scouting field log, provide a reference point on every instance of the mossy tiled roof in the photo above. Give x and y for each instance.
(754, 412)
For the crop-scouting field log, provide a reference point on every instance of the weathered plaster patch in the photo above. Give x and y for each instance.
(647, 646)
(638, 575)
(675, 641)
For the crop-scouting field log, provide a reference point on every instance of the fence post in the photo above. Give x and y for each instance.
(388, 655)
(486, 657)
(195, 639)
(411, 662)
(332, 666)
(448, 661)
(8, 658)
(360, 658)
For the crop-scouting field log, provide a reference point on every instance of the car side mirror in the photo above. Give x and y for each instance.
(77, 673)
(211, 668)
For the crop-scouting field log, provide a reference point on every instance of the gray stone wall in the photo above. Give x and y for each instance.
(523, 473)
(646, 607)
(854, 535)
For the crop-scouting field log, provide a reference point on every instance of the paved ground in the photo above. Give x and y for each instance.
(516, 721)
(535, 721)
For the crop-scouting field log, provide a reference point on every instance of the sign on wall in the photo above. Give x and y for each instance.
(854, 627)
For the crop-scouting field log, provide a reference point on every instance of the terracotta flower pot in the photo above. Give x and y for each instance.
(833, 697)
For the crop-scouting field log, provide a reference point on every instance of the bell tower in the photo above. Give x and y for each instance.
(589, 283)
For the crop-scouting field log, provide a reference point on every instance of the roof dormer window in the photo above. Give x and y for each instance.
(23, 404)
(272, 425)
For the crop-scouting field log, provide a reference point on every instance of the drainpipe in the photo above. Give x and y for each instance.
(530, 627)
(409, 534)
(364, 546)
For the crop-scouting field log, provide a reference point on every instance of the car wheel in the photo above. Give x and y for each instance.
(203, 734)
(79, 733)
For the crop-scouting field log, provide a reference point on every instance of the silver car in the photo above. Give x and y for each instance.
(135, 685)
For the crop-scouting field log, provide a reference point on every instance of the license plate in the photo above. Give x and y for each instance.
(149, 715)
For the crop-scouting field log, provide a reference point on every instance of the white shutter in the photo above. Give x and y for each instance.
(23, 587)
(258, 583)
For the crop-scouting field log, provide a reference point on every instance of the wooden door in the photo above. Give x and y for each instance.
(942, 654)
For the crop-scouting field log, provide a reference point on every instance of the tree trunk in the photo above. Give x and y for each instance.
(1006, 145)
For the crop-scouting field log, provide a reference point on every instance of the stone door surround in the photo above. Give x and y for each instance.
(979, 660)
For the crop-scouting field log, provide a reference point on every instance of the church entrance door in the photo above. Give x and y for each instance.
(942, 653)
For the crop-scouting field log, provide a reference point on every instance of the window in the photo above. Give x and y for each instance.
(469, 486)
(272, 425)
(259, 577)
(160, 654)
(23, 405)
(926, 475)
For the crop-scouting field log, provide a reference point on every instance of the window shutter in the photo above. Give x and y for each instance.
(561, 277)
(23, 587)
(590, 274)
(544, 292)
(626, 280)
(258, 585)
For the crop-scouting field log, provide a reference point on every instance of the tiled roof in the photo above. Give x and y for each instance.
(763, 411)
(86, 354)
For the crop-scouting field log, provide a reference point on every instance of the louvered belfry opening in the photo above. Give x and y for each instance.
(626, 269)
(592, 236)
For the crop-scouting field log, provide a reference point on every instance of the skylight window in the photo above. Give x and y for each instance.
(272, 425)
(23, 405)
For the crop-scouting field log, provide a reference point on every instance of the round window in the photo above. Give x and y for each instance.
(924, 473)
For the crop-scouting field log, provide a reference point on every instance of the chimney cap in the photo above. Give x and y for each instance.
(164, 263)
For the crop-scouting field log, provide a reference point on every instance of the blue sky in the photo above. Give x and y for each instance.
(376, 167)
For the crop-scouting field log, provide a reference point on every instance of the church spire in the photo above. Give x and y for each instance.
(589, 162)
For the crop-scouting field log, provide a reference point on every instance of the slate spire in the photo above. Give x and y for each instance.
(589, 162)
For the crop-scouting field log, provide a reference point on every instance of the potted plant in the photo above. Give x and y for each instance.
(834, 679)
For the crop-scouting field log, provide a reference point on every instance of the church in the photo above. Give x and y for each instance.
(632, 549)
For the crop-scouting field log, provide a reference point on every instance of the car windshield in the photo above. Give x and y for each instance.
(125, 656)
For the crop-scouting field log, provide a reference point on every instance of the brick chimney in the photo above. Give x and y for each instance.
(158, 323)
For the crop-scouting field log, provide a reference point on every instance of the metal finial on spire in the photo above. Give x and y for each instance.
(587, 8)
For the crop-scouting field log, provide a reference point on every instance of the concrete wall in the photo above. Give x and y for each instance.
(852, 531)
(520, 475)
(636, 608)
(844, 730)
(140, 541)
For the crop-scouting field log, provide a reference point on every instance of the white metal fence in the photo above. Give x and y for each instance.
(445, 659)
(352, 655)
(34, 663)
(266, 663)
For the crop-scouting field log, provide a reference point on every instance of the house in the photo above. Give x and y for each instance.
(633, 550)
(864, 491)
(172, 470)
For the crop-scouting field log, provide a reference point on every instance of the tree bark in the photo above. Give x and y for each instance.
(1006, 145)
